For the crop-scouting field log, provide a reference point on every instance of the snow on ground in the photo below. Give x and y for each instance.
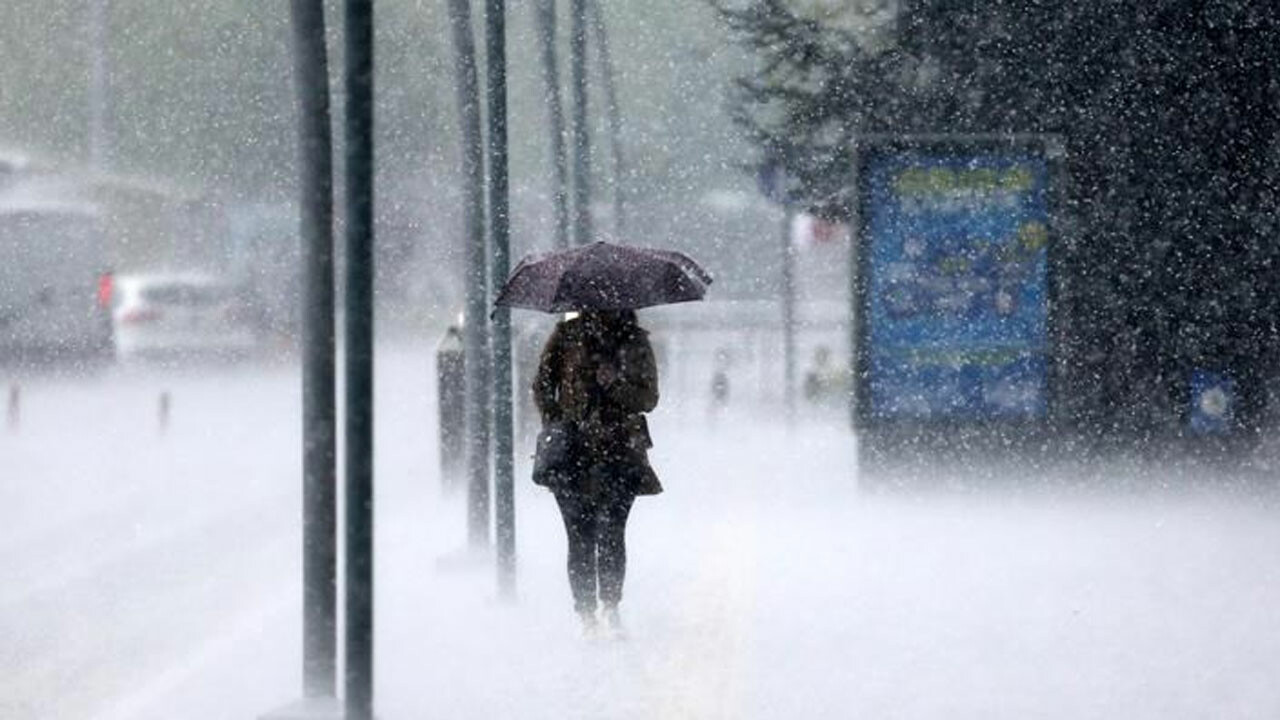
(149, 575)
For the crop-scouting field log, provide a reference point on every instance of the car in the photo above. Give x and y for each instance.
(182, 315)
(54, 301)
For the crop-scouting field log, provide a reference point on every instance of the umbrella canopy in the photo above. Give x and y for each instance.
(603, 276)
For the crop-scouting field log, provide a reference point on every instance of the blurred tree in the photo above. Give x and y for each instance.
(202, 92)
(1168, 111)
(202, 98)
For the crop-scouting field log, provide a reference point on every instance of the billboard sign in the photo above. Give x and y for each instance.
(1212, 402)
(954, 293)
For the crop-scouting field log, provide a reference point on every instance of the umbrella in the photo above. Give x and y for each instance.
(603, 276)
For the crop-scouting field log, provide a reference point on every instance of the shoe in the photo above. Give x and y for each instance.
(590, 626)
(613, 622)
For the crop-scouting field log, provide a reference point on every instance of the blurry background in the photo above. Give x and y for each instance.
(199, 117)
(150, 533)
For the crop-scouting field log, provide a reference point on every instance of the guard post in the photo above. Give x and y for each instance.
(451, 401)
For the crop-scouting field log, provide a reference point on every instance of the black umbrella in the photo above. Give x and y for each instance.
(603, 276)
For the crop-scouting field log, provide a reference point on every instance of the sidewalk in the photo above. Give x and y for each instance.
(761, 585)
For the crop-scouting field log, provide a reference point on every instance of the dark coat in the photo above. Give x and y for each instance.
(602, 383)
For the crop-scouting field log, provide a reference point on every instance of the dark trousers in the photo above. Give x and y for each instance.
(596, 528)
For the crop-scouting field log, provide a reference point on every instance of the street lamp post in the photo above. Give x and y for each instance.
(499, 229)
(475, 280)
(319, 527)
(581, 139)
(358, 80)
(545, 16)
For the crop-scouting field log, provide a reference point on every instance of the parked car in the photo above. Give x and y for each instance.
(54, 283)
(181, 315)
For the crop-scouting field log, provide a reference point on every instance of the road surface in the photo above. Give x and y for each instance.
(154, 573)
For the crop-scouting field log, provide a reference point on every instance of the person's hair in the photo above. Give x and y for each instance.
(612, 317)
(613, 325)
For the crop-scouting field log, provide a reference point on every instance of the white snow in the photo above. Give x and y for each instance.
(157, 575)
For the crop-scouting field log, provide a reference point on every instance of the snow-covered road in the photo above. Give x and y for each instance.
(150, 575)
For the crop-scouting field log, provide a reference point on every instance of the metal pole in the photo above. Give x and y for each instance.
(545, 15)
(319, 453)
(99, 83)
(475, 331)
(359, 359)
(15, 407)
(788, 293)
(499, 228)
(581, 138)
(614, 113)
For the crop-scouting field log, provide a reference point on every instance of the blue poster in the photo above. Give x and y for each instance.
(1212, 402)
(958, 305)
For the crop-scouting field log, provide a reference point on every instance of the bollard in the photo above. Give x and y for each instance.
(450, 396)
(15, 407)
(163, 411)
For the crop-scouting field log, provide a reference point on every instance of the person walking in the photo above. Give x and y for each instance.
(596, 378)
